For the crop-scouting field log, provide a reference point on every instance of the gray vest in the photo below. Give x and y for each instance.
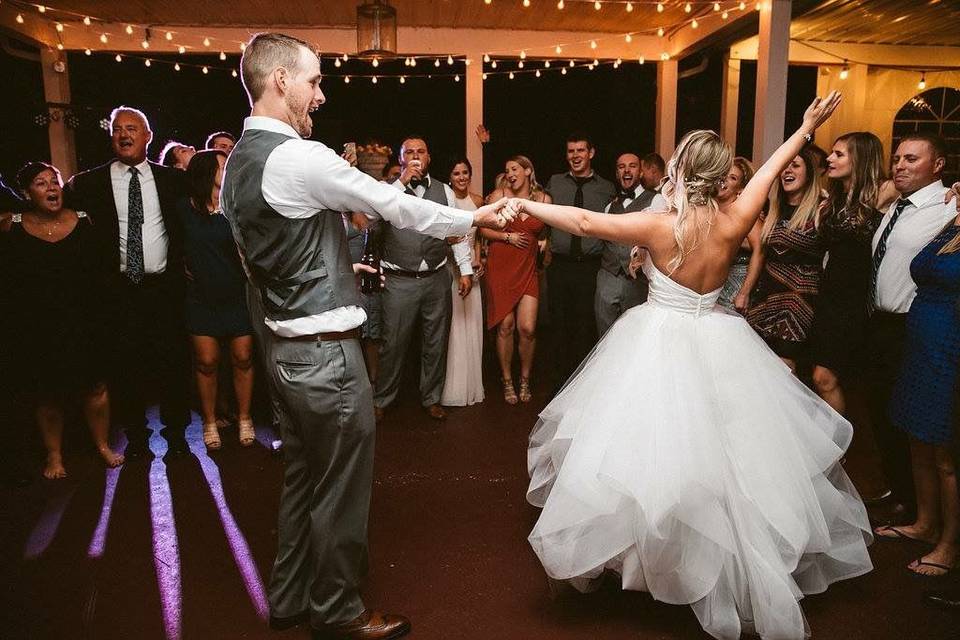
(301, 267)
(408, 249)
(616, 257)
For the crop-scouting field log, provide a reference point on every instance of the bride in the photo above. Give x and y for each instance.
(683, 454)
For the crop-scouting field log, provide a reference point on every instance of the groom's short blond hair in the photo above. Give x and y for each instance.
(263, 54)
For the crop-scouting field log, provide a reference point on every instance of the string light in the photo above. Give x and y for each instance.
(103, 38)
(845, 71)
(724, 15)
(484, 76)
(403, 79)
(413, 62)
(41, 9)
(129, 30)
(456, 78)
(234, 73)
(19, 18)
(694, 24)
(641, 60)
(523, 55)
(373, 79)
(520, 64)
(537, 73)
(337, 63)
(688, 8)
(572, 63)
(449, 59)
(628, 38)
(923, 81)
(436, 62)
(526, 3)
(486, 57)
(181, 49)
(716, 6)
(510, 75)
(243, 46)
(59, 46)
(223, 56)
(345, 57)
(145, 44)
(87, 52)
(86, 20)
(346, 79)
(660, 32)
(597, 5)
(659, 7)
(205, 71)
(118, 58)
(494, 64)
(593, 44)
(375, 63)
(558, 49)
(563, 71)
(147, 62)
(546, 64)
(560, 5)
(206, 42)
(743, 5)
(629, 7)
(176, 67)
(487, 1)
(168, 36)
(59, 28)
(596, 62)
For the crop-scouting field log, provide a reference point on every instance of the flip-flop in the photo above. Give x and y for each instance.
(897, 534)
(920, 562)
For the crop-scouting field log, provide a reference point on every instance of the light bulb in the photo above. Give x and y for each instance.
(129, 30)
(205, 71)
(103, 38)
(449, 59)
(641, 60)
(42, 9)
(436, 62)
(234, 73)
(660, 32)
(346, 79)
(629, 7)
(546, 64)
(486, 57)
(168, 36)
(59, 28)
(844, 73)
(87, 52)
(206, 42)
(716, 6)
(147, 62)
(456, 78)
(520, 64)
(628, 38)
(560, 5)
(484, 76)
(523, 55)
(694, 24)
(659, 7)
(510, 75)
(181, 49)
(86, 20)
(688, 8)
(373, 79)
(563, 71)
(375, 63)
(337, 63)
(593, 44)
(223, 56)
(145, 44)
(494, 64)
(537, 73)
(403, 80)
(724, 15)
(117, 58)
(176, 66)
(597, 5)
(19, 18)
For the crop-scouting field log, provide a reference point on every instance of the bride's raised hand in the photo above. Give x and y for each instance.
(819, 110)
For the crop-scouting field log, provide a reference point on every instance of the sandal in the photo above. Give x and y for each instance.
(885, 531)
(525, 395)
(509, 395)
(920, 562)
(211, 436)
(247, 433)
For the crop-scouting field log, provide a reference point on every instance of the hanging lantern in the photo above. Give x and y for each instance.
(376, 28)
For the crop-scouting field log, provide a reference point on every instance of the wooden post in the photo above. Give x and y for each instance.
(56, 89)
(772, 64)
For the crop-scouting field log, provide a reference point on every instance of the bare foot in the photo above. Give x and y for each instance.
(54, 469)
(908, 532)
(110, 457)
(938, 562)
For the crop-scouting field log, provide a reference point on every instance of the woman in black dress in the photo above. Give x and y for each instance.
(849, 217)
(56, 264)
(793, 256)
(216, 297)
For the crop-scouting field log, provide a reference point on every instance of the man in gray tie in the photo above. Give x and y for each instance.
(417, 290)
(617, 289)
(284, 195)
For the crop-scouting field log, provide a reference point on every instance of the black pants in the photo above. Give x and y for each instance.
(151, 359)
(571, 286)
(887, 336)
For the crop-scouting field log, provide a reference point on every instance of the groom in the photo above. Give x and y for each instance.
(283, 195)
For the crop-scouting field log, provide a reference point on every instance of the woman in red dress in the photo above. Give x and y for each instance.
(511, 283)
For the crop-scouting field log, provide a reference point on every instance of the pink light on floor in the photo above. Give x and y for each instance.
(99, 540)
(166, 547)
(45, 530)
(235, 538)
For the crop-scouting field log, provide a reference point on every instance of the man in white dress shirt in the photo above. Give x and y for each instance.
(911, 222)
(417, 289)
(284, 195)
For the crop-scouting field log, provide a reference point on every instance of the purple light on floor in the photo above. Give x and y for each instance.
(166, 548)
(235, 538)
(99, 540)
(46, 528)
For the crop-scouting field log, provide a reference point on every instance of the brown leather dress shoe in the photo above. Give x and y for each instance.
(437, 412)
(369, 625)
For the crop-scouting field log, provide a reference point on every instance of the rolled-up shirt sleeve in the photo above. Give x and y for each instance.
(302, 177)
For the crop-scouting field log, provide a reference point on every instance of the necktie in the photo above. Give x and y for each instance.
(576, 242)
(135, 269)
(881, 249)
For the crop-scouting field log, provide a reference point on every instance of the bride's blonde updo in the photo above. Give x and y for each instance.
(694, 175)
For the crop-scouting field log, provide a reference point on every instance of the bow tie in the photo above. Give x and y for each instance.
(627, 194)
(424, 182)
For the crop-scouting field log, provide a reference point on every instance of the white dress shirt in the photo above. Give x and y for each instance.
(461, 250)
(155, 241)
(303, 177)
(918, 224)
(659, 203)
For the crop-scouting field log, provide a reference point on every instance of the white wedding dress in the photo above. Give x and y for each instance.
(685, 456)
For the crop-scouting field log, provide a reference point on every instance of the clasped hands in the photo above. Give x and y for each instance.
(497, 215)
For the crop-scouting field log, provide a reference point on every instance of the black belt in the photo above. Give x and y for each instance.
(413, 274)
(589, 259)
(328, 337)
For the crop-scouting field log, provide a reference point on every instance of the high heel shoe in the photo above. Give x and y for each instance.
(525, 395)
(509, 395)
(247, 433)
(211, 436)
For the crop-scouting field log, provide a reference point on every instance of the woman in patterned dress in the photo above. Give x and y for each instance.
(793, 258)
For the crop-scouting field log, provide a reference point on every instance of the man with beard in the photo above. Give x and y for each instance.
(133, 200)
(572, 275)
(617, 288)
(284, 196)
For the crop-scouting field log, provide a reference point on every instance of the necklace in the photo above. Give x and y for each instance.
(47, 226)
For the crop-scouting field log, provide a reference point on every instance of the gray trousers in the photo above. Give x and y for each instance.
(616, 294)
(406, 300)
(327, 427)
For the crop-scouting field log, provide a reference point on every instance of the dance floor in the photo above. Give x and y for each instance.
(183, 549)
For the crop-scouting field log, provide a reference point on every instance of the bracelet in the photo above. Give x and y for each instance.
(808, 137)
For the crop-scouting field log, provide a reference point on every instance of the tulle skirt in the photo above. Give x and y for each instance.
(685, 456)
